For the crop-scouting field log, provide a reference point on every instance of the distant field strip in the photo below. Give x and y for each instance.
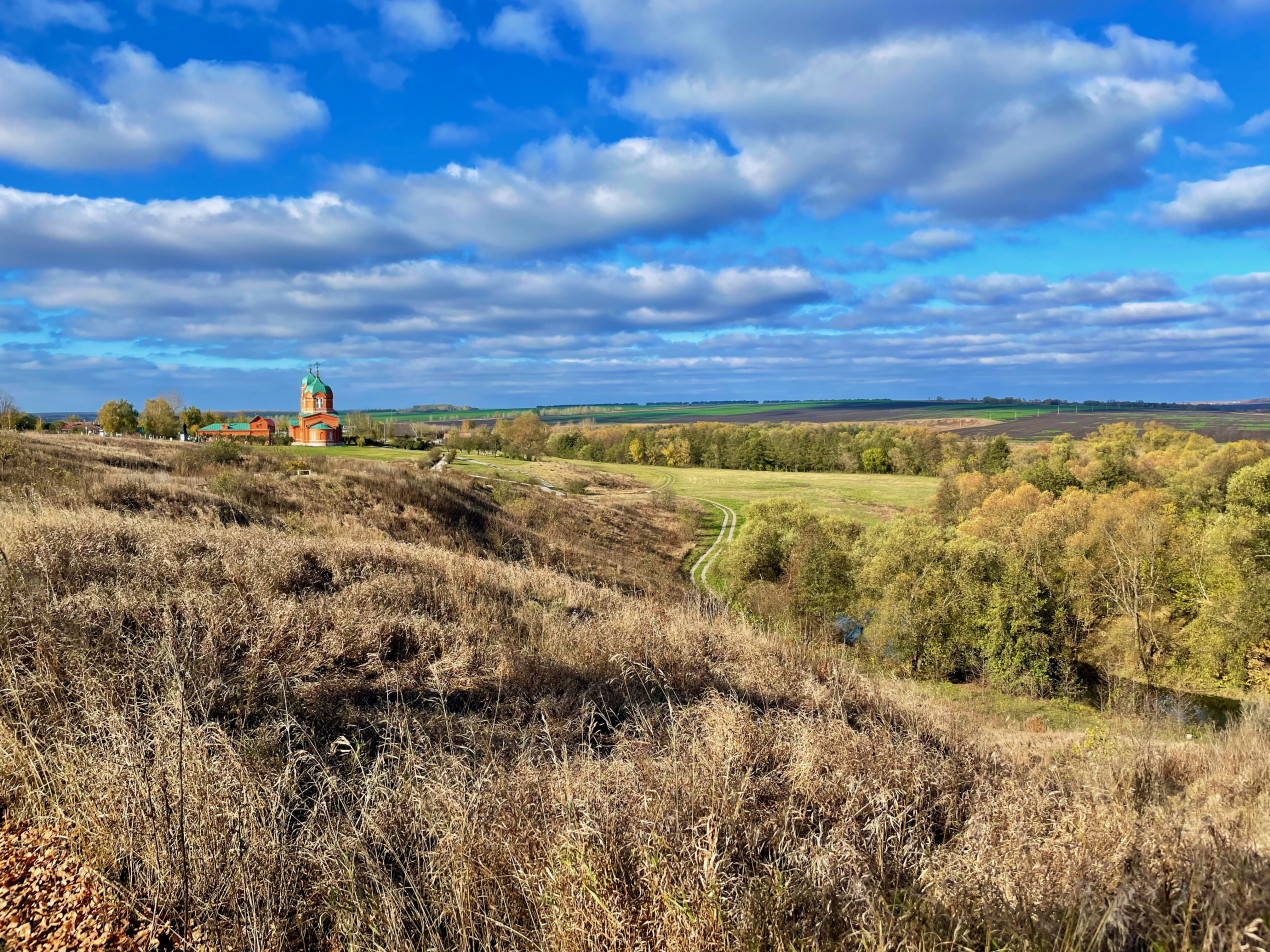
(1066, 418)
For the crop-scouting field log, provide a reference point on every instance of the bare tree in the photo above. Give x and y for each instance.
(9, 411)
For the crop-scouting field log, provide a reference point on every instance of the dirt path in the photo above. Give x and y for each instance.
(726, 531)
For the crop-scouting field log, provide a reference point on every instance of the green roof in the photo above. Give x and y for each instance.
(225, 426)
(320, 426)
(312, 383)
(305, 416)
(294, 421)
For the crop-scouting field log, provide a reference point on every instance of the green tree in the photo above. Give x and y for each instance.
(873, 460)
(159, 419)
(1249, 488)
(996, 457)
(117, 417)
(191, 418)
(929, 587)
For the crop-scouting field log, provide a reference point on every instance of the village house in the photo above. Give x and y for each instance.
(258, 428)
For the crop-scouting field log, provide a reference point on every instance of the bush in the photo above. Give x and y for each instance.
(222, 452)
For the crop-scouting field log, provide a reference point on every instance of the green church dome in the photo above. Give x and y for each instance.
(312, 383)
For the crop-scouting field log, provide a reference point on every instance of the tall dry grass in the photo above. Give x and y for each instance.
(372, 727)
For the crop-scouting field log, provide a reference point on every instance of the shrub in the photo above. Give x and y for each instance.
(222, 452)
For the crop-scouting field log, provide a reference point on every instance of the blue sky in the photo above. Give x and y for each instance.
(589, 200)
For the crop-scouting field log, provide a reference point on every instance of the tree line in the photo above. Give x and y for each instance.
(1139, 552)
(164, 416)
(796, 447)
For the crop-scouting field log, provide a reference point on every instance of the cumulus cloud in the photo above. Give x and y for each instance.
(762, 33)
(1254, 283)
(1237, 201)
(1033, 292)
(526, 31)
(40, 230)
(430, 300)
(929, 244)
(984, 126)
(565, 194)
(1257, 125)
(604, 326)
(150, 114)
(42, 14)
(16, 319)
(420, 24)
(568, 193)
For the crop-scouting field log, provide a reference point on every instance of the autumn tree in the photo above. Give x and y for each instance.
(1249, 489)
(9, 412)
(1124, 555)
(118, 417)
(525, 436)
(191, 418)
(929, 587)
(159, 419)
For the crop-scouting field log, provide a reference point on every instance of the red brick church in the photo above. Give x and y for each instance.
(318, 424)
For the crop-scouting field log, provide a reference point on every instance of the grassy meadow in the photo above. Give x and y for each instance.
(381, 708)
(862, 496)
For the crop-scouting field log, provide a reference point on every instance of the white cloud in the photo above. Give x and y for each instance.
(1221, 153)
(564, 194)
(42, 14)
(146, 7)
(774, 36)
(420, 24)
(1238, 7)
(1235, 202)
(1257, 125)
(568, 193)
(527, 31)
(928, 244)
(578, 327)
(451, 135)
(40, 230)
(424, 299)
(1254, 283)
(150, 114)
(985, 126)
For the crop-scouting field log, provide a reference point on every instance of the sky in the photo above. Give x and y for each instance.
(583, 201)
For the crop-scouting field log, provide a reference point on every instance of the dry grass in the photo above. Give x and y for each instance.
(349, 712)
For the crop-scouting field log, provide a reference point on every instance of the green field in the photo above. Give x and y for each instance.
(866, 497)
(824, 411)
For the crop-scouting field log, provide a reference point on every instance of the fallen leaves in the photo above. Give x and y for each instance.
(50, 901)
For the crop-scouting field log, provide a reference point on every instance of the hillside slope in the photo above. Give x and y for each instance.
(379, 708)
